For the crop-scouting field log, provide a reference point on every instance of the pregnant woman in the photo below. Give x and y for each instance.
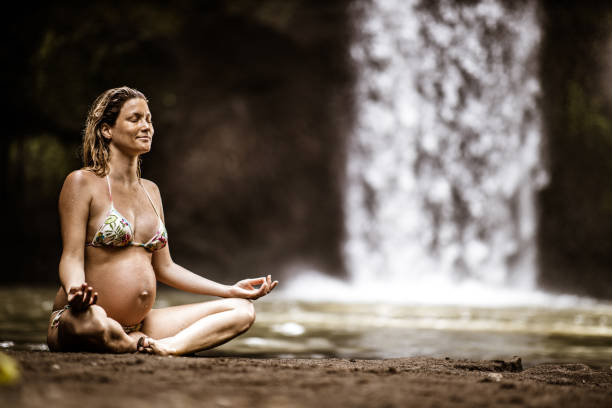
(115, 248)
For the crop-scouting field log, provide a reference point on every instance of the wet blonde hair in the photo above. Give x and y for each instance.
(105, 109)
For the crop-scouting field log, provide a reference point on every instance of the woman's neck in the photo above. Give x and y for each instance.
(123, 168)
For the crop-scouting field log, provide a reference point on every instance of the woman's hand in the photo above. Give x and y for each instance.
(246, 288)
(81, 297)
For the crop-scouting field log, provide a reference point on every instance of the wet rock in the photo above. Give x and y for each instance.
(513, 365)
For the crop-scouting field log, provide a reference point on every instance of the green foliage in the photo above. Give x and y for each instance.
(249, 100)
(575, 226)
(276, 14)
(586, 116)
(87, 49)
(606, 202)
(45, 162)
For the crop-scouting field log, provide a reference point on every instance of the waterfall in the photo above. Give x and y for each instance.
(445, 161)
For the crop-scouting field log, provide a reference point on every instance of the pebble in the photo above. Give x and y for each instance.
(55, 367)
(495, 376)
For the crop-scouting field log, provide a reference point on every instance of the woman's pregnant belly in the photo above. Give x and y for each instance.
(125, 282)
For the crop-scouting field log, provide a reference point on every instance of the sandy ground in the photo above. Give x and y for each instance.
(102, 380)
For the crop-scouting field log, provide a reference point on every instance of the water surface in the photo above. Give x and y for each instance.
(286, 328)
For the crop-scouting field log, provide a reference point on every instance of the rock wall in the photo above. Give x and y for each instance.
(575, 238)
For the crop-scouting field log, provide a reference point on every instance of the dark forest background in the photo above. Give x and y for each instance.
(252, 105)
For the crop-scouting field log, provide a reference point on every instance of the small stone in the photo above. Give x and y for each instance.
(495, 376)
(514, 365)
(55, 367)
(224, 402)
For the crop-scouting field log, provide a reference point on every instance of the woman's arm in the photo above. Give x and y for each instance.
(174, 275)
(74, 201)
(178, 277)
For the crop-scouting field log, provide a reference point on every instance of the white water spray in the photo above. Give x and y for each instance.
(445, 162)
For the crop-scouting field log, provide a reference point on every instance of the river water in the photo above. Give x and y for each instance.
(297, 328)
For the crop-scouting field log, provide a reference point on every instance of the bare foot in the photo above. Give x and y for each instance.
(157, 347)
(142, 345)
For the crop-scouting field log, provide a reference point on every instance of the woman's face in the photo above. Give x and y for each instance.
(133, 129)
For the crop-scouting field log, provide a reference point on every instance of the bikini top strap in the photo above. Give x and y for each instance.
(150, 200)
(109, 189)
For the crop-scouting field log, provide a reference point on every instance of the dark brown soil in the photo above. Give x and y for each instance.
(102, 380)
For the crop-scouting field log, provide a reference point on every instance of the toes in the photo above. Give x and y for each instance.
(141, 341)
(155, 348)
(150, 346)
(140, 344)
(144, 345)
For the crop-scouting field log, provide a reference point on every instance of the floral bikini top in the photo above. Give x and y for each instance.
(116, 231)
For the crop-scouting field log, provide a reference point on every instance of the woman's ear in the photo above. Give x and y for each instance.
(106, 131)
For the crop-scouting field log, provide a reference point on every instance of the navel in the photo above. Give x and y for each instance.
(145, 297)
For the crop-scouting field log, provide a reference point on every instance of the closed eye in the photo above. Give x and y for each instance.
(136, 119)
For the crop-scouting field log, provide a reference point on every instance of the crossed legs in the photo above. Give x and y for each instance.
(174, 330)
(190, 328)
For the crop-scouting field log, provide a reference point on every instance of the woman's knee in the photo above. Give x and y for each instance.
(250, 311)
(246, 310)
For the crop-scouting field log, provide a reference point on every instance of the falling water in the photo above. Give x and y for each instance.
(445, 160)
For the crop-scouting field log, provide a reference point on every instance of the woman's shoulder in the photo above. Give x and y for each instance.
(150, 185)
(81, 176)
(153, 191)
(81, 179)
